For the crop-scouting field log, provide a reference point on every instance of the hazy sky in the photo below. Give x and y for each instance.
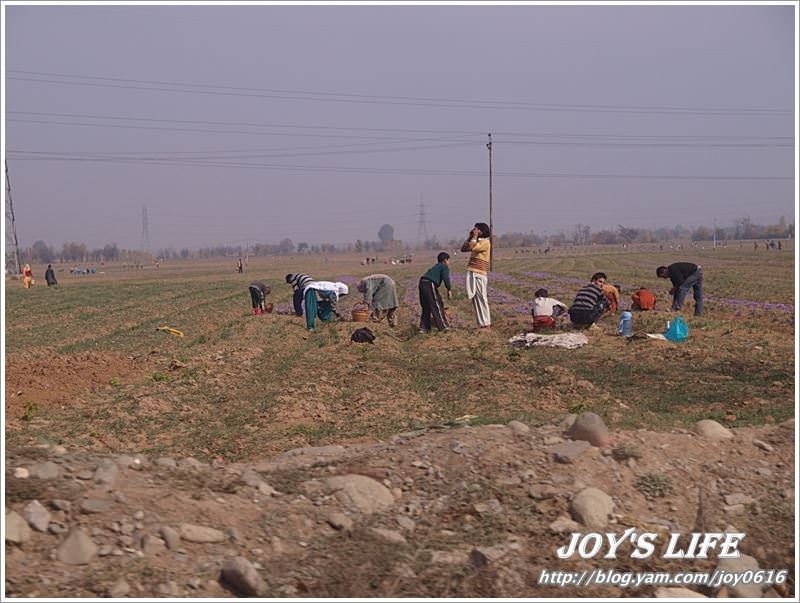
(239, 124)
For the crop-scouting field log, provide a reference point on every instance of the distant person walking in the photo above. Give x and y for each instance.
(590, 302)
(298, 282)
(321, 298)
(27, 277)
(380, 294)
(239, 266)
(429, 298)
(258, 296)
(50, 276)
(684, 276)
(479, 246)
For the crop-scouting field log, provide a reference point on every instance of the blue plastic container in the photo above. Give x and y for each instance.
(625, 324)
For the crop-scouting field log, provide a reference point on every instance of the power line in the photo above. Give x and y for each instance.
(410, 172)
(339, 97)
(669, 137)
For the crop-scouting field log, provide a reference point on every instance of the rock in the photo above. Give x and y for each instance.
(739, 565)
(788, 423)
(738, 499)
(390, 536)
(251, 478)
(58, 450)
(77, 548)
(589, 427)
(552, 440)
(677, 592)
(763, 445)
(95, 505)
(449, 557)
(152, 545)
(106, 473)
(267, 490)
(104, 550)
(567, 422)
(406, 523)
(17, 530)
(119, 589)
(340, 521)
(21, 473)
(592, 507)
(84, 475)
(59, 504)
(541, 491)
(191, 463)
(169, 589)
(711, 430)
(46, 470)
(165, 461)
(361, 493)
(37, 516)
(734, 509)
(569, 451)
(564, 524)
(242, 578)
(56, 527)
(171, 537)
(193, 533)
(519, 428)
(491, 506)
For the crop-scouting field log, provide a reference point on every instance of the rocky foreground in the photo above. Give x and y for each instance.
(461, 511)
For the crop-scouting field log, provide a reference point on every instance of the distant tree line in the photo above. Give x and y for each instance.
(742, 229)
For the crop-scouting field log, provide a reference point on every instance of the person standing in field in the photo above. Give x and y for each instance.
(479, 245)
(590, 302)
(684, 276)
(27, 277)
(380, 294)
(50, 276)
(258, 296)
(239, 266)
(321, 298)
(429, 297)
(298, 282)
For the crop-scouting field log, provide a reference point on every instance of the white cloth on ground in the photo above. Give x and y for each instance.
(569, 341)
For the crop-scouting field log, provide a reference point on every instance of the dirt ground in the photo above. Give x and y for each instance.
(90, 379)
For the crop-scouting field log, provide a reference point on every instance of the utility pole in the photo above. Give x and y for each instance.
(422, 225)
(145, 242)
(10, 218)
(491, 227)
(715, 234)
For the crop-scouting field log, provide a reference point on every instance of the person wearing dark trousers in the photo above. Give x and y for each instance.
(684, 276)
(298, 282)
(590, 302)
(258, 297)
(429, 297)
(50, 276)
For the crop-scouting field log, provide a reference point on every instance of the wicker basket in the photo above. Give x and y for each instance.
(360, 313)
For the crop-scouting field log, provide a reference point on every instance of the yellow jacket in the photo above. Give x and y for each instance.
(480, 250)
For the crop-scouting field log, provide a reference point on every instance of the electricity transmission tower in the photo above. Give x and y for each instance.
(11, 231)
(145, 244)
(422, 225)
